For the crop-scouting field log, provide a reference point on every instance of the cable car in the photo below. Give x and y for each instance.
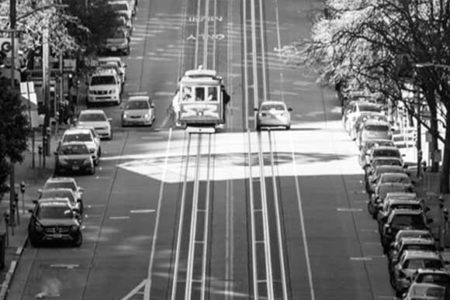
(199, 102)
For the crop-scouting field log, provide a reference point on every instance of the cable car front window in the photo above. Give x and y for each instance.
(199, 94)
(212, 93)
(186, 93)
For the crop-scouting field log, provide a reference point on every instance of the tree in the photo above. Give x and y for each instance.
(361, 41)
(14, 130)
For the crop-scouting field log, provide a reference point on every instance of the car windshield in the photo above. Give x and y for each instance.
(61, 184)
(386, 152)
(137, 105)
(376, 128)
(371, 108)
(70, 149)
(414, 234)
(78, 137)
(423, 263)
(58, 194)
(54, 212)
(415, 221)
(389, 169)
(118, 6)
(413, 206)
(119, 34)
(272, 107)
(423, 247)
(391, 162)
(104, 79)
(440, 279)
(92, 118)
(396, 179)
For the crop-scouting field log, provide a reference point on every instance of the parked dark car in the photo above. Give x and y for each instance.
(74, 157)
(54, 220)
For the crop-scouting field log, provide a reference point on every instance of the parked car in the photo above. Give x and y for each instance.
(398, 201)
(64, 193)
(425, 291)
(402, 219)
(381, 161)
(354, 110)
(73, 157)
(96, 119)
(411, 233)
(115, 61)
(383, 151)
(376, 199)
(367, 147)
(273, 114)
(371, 180)
(87, 136)
(408, 263)
(401, 178)
(362, 118)
(54, 220)
(118, 43)
(104, 86)
(139, 110)
(63, 183)
(374, 130)
(409, 244)
(439, 277)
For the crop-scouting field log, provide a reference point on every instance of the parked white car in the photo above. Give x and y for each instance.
(97, 119)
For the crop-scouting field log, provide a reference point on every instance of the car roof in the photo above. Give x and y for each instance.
(413, 231)
(110, 58)
(139, 98)
(104, 72)
(416, 241)
(92, 111)
(58, 190)
(383, 148)
(401, 195)
(391, 174)
(407, 254)
(76, 130)
(432, 271)
(406, 211)
(269, 102)
(376, 122)
(60, 179)
(392, 201)
(54, 200)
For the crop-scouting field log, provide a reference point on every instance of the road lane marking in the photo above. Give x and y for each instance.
(119, 217)
(65, 266)
(349, 209)
(142, 211)
(361, 258)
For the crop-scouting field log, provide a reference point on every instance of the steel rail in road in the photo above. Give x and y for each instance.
(195, 252)
(180, 222)
(260, 274)
(278, 218)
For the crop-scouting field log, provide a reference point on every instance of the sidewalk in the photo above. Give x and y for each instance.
(34, 178)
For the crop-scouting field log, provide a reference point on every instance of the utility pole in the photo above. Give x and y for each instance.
(12, 175)
(45, 95)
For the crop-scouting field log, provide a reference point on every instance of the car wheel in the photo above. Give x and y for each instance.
(78, 240)
(33, 241)
(81, 207)
(288, 127)
(111, 135)
(99, 151)
(392, 281)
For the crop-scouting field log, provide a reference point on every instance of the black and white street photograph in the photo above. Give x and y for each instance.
(224, 149)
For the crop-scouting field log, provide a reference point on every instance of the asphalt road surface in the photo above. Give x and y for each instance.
(232, 215)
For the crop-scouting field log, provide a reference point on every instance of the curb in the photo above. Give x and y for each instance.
(6, 282)
(12, 269)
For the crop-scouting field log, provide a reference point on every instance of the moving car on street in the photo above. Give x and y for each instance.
(138, 110)
(273, 114)
(104, 86)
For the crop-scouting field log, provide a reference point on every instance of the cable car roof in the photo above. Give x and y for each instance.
(201, 76)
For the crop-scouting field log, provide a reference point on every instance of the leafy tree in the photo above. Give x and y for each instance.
(14, 130)
(384, 46)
